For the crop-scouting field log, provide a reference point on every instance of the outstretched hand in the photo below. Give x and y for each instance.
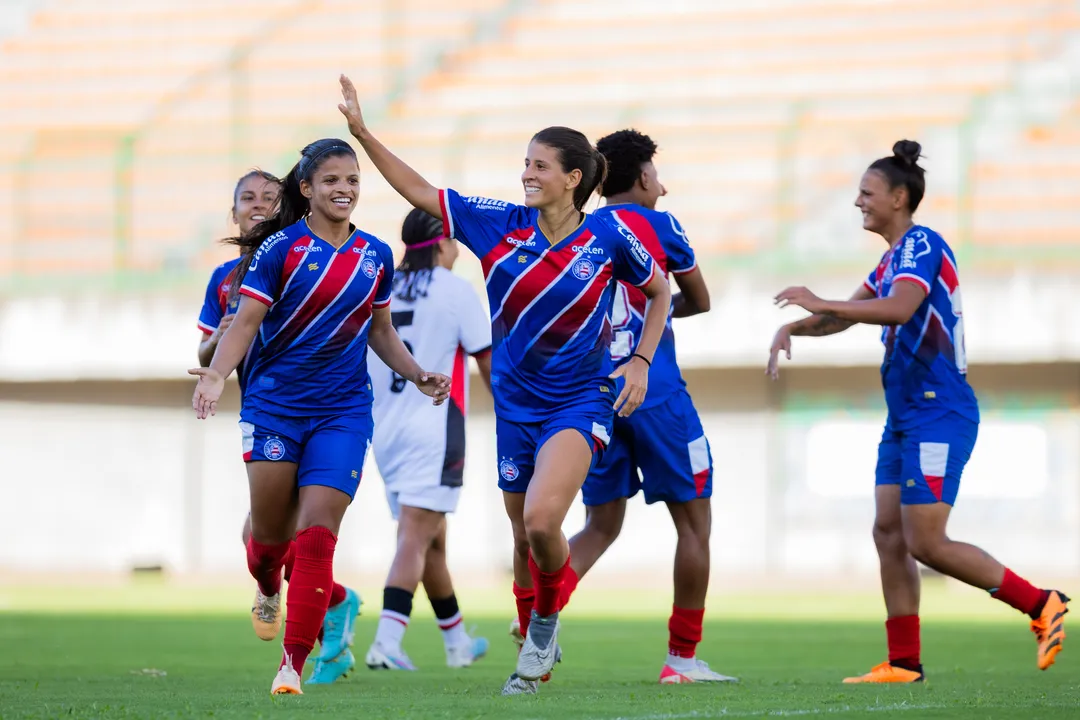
(351, 107)
(207, 391)
(434, 385)
(781, 342)
(801, 297)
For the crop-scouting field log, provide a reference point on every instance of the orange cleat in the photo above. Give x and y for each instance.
(1049, 629)
(886, 673)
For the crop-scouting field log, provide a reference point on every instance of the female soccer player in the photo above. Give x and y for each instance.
(420, 449)
(254, 197)
(933, 418)
(550, 270)
(316, 292)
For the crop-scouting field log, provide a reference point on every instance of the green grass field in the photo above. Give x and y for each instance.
(178, 655)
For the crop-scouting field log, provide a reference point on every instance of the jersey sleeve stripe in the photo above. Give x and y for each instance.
(652, 274)
(908, 277)
(377, 304)
(206, 328)
(447, 218)
(683, 271)
(253, 293)
(866, 284)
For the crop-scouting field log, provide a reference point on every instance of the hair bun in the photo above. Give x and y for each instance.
(908, 152)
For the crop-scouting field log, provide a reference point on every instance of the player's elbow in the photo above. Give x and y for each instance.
(699, 305)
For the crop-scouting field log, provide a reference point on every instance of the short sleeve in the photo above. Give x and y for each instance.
(263, 279)
(680, 256)
(920, 261)
(474, 333)
(210, 316)
(480, 223)
(386, 278)
(633, 263)
(870, 283)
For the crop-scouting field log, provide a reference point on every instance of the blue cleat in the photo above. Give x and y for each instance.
(338, 626)
(327, 672)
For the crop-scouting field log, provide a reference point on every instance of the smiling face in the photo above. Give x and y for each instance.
(255, 198)
(334, 188)
(878, 202)
(546, 183)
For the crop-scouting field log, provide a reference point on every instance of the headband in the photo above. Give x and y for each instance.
(426, 243)
(306, 162)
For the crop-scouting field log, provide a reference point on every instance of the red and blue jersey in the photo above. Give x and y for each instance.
(310, 354)
(665, 240)
(550, 304)
(925, 368)
(217, 305)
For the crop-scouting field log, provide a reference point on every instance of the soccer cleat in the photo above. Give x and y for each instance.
(700, 672)
(287, 681)
(541, 649)
(886, 673)
(338, 626)
(326, 672)
(266, 615)
(1049, 629)
(465, 654)
(516, 685)
(379, 658)
(515, 633)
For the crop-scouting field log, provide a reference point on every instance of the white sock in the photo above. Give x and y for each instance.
(453, 631)
(681, 664)
(391, 632)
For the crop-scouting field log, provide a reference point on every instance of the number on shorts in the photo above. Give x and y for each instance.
(400, 320)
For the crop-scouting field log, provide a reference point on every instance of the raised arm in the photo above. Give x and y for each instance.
(408, 183)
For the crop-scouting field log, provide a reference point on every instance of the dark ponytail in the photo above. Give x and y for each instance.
(420, 233)
(903, 169)
(291, 206)
(576, 153)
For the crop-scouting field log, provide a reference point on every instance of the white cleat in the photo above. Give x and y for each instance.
(541, 649)
(516, 685)
(380, 658)
(515, 633)
(699, 672)
(465, 654)
(287, 681)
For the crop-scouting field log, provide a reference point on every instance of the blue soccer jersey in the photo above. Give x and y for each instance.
(217, 305)
(550, 304)
(310, 354)
(925, 368)
(665, 240)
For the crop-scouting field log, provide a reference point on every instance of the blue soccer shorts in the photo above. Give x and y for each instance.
(926, 462)
(328, 451)
(666, 442)
(519, 442)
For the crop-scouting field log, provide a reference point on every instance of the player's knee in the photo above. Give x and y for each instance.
(604, 523)
(889, 538)
(542, 527)
(925, 547)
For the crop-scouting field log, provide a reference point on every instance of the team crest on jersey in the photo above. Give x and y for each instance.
(369, 267)
(508, 471)
(583, 269)
(274, 449)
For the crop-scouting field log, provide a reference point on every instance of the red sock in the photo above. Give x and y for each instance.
(1020, 594)
(569, 585)
(309, 593)
(684, 631)
(337, 595)
(548, 587)
(904, 643)
(524, 598)
(264, 564)
(290, 558)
